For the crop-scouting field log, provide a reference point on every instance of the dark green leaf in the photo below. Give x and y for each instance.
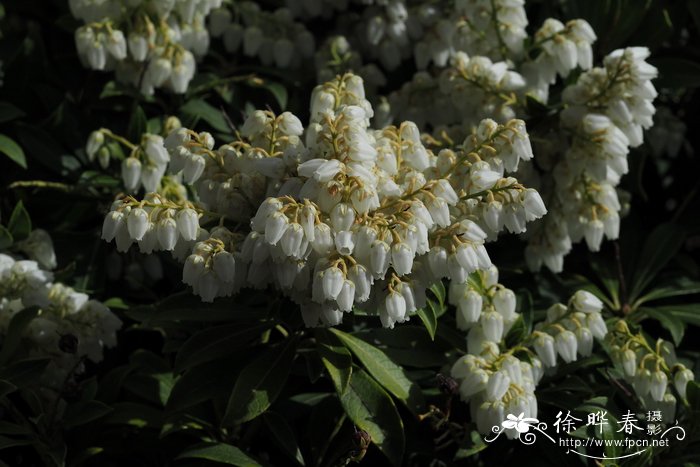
(20, 225)
(429, 317)
(13, 151)
(476, 445)
(40, 146)
(6, 239)
(6, 442)
(81, 413)
(216, 342)
(672, 323)
(24, 372)
(6, 388)
(386, 372)
(135, 415)
(660, 247)
(336, 358)
(197, 109)
(15, 332)
(372, 410)
(221, 453)
(7, 428)
(688, 313)
(284, 436)
(278, 91)
(9, 112)
(260, 383)
(138, 125)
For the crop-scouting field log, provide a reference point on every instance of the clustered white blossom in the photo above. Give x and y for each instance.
(272, 36)
(651, 371)
(148, 43)
(496, 382)
(69, 327)
(340, 215)
(606, 111)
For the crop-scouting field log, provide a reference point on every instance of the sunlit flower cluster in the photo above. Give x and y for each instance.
(607, 110)
(495, 381)
(340, 215)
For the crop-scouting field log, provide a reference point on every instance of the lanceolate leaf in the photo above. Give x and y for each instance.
(15, 331)
(260, 383)
(372, 410)
(661, 246)
(19, 224)
(284, 436)
(215, 342)
(671, 322)
(336, 359)
(12, 150)
(221, 453)
(386, 372)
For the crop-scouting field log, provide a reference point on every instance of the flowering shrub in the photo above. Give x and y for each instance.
(327, 232)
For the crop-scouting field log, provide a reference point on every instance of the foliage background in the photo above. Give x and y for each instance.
(164, 392)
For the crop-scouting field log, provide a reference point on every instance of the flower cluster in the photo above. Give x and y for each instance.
(145, 165)
(155, 224)
(607, 109)
(69, 327)
(150, 44)
(484, 308)
(274, 37)
(342, 215)
(496, 382)
(651, 371)
(569, 331)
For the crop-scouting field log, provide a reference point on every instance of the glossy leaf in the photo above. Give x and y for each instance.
(284, 436)
(372, 410)
(12, 150)
(336, 359)
(386, 372)
(15, 331)
(19, 225)
(260, 383)
(214, 343)
(221, 453)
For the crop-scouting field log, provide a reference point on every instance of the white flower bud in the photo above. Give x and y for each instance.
(111, 224)
(629, 362)
(659, 382)
(395, 305)
(323, 239)
(116, 44)
(138, 46)
(333, 280)
(167, 233)
(586, 302)
(544, 346)
(94, 143)
(566, 345)
(224, 265)
(681, 380)
(346, 296)
(344, 242)
(137, 222)
(188, 224)
(498, 385)
(131, 173)
(275, 226)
